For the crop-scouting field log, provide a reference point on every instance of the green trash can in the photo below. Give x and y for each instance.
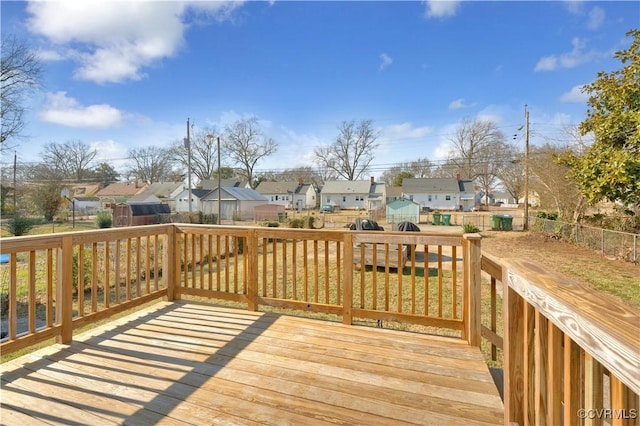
(446, 219)
(496, 222)
(507, 222)
(281, 216)
(436, 218)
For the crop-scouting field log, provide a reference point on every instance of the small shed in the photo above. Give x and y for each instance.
(140, 214)
(403, 211)
(268, 212)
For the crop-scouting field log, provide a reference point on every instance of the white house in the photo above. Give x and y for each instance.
(354, 194)
(182, 200)
(290, 195)
(86, 205)
(439, 193)
(165, 192)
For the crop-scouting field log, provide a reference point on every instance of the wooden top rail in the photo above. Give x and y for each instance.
(604, 328)
(400, 237)
(28, 243)
(491, 266)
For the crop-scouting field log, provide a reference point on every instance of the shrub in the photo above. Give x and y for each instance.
(296, 223)
(271, 224)
(545, 215)
(19, 225)
(104, 220)
(470, 228)
(310, 222)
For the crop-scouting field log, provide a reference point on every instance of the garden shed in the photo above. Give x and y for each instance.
(403, 210)
(140, 214)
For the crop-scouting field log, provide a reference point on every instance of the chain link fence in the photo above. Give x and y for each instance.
(616, 244)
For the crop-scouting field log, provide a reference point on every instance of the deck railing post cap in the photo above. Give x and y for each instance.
(474, 236)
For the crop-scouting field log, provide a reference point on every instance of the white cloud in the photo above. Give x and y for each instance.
(596, 18)
(66, 111)
(575, 95)
(405, 131)
(459, 104)
(441, 8)
(385, 61)
(577, 56)
(111, 152)
(574, 6)
(113, 41)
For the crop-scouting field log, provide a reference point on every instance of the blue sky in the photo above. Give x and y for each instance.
(120, 75)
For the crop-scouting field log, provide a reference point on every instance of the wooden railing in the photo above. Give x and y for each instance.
(571, 355)
(56, 283)
(568, 353)
(59, 282)
(492, 324)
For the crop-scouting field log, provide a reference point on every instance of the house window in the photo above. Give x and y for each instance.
(447, 197)
(344, 199)
(429, 197)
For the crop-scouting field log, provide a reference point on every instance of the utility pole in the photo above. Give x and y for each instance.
(15, 162)
(526, 169)
(219, 189)
(187, 144)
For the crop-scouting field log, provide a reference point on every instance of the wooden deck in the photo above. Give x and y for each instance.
(191, 363)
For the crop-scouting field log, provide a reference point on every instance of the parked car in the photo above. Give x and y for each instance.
(327, 208)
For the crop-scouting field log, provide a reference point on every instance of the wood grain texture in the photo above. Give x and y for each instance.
(191, 363)
(605, 329)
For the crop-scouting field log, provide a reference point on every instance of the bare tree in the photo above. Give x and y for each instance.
(418, 168)
(306, 174)
(20, 72)
(511, 173)
(471, 141)
(245, 145)
(72, 159)
(352, 152)
(204, 153)
(151, 164)
(548, 179)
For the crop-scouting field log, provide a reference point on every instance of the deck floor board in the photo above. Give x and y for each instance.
(193, 363)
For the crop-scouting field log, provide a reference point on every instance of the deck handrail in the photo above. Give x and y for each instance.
(552, 326)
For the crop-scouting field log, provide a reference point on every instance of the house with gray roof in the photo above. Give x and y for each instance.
(440, 193)
(235, 203)
(354, 194)
(165, 192)
(213, 183)
(290, 195)
(182, 200)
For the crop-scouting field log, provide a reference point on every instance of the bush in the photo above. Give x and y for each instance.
(296, 223)
(470, 228)
(19, 225)
(104, 220)
(271, 224)
(545, 215)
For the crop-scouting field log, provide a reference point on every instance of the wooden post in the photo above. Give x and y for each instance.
(593, 389)
(171, 261)
(251, 251)
(64, 291)
(572, 382)
(513, 353)
(347, 299)
(472, 311)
